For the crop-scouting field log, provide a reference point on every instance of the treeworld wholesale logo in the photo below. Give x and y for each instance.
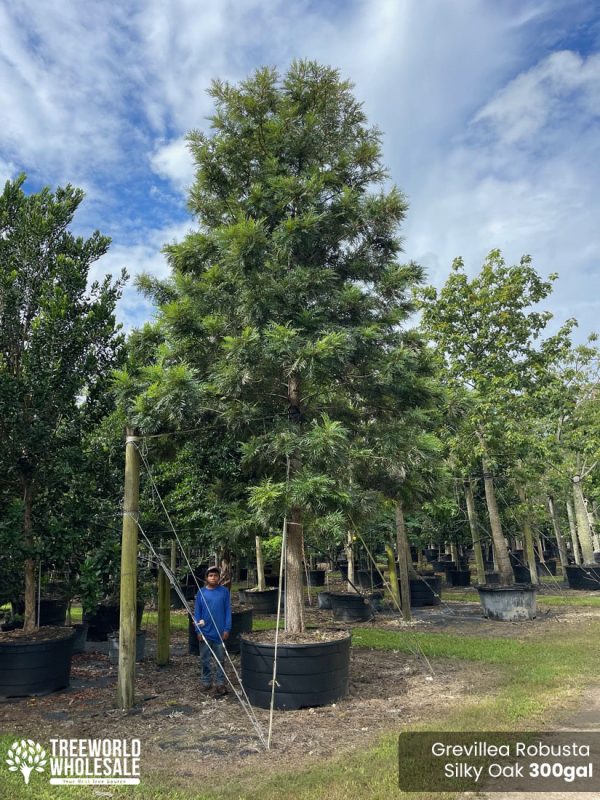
(26, 756)
(78, 761)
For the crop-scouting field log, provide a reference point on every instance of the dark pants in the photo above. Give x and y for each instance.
(207, 662)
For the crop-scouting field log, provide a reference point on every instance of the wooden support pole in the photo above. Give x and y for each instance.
(127, 622)
(163, 633)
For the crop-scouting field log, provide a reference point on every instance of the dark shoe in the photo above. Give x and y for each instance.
(221, 691)
(205, 688)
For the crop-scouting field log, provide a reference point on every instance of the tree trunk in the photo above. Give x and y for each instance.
(294, 597)
(594, 527)
(500, 550)
(540, 548)
(402, 543)
(562, 550)
(454, 553)
(30, 571)
(260, 565)
(573, 530)
(389, 550)
(403, 561)
(472, 517)
(294, 556)
(583, 524)
(350, 559)
(528, 537)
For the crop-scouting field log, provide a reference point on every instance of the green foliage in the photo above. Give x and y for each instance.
(58, 343)
(286, 309)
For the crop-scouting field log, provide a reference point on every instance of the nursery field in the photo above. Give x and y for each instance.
(448, 670)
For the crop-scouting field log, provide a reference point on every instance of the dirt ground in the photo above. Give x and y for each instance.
(188, 735)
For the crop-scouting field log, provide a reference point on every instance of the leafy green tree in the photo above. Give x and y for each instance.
(58, 341)
(287, 304)
(488, 332)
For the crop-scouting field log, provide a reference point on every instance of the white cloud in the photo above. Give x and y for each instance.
(173, 161)
(137, 258)
(494, 145)
(562, 84)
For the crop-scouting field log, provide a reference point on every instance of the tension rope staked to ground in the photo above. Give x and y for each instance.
(241, 696)
(418, 650)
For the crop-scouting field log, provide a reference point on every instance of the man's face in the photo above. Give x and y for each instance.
(212, 579)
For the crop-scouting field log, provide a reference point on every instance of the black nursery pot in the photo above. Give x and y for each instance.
(458, 577)
(582, 577)
(522, 574)
(81, 631)
(260, 602)
(316, 577)
(492, 578)
(351, 607)
(312, 674)
(425, 591)
(548, 567)
(105, 619)
(324, 601)
(241, 622)
(189, 592)
(35, 667)
(368, 579)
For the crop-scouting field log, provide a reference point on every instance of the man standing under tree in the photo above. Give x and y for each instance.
(212, 615)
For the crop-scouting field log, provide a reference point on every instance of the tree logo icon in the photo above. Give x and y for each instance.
(26, 756)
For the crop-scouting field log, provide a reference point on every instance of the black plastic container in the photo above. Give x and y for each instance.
(425, 591)
(324, 601)
(260, 602)
(458, 577)
(307, 674)
(369, 579)
(316, 577)
(548, 567)
(521, 573)
(105, 619)
(351, 607)
(35, 667)
(492, 578)
(241, 622)
(585, 578)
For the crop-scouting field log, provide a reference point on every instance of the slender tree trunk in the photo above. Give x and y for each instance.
(389, 550)
(573, 530)
(294, 597)
(583, 524)
(528, 537)
(260, 565)
(470, 500)
(500, 550)
(294, 556)
(349, 551)
(540, 548)
(403, 561)
(30, 571)
(594, 527)
(562, 550)
(402, 543)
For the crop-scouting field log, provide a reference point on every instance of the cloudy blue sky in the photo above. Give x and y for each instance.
(490, 112)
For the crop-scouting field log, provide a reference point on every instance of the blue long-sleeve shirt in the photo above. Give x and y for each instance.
(214, 607)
